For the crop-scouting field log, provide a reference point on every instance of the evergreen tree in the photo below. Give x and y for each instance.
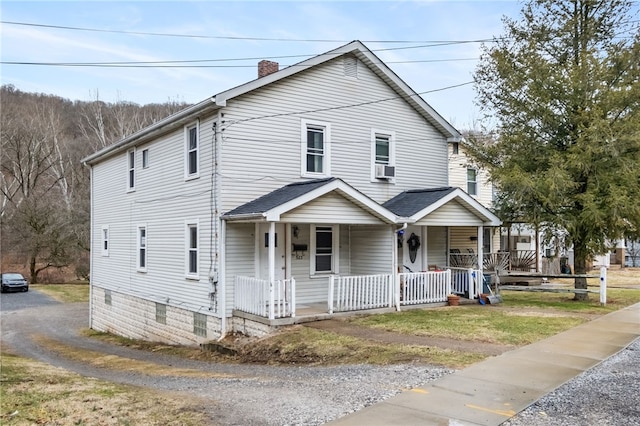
(562, 90)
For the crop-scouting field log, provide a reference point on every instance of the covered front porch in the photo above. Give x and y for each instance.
(262, 300)
(322, 248)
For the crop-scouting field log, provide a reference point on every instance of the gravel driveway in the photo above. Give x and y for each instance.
(244, 395)
(269, 395)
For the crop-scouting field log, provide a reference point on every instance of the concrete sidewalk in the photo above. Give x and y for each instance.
(492, 391)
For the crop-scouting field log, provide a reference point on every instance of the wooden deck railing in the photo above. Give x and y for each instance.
(269, 300)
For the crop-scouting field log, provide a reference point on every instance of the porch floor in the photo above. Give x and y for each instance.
(310, 312)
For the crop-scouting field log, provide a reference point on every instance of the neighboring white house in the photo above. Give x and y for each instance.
(314, 188)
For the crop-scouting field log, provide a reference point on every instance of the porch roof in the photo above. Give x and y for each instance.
(271, 206)
(418, 203)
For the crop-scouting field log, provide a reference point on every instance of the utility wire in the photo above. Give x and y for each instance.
(176, 64)
(376, 101)
(62, 27)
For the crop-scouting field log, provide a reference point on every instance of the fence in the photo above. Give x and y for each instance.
(270, 300)
(424, 287)
(602, 291)
(354, 293)
(467, 282)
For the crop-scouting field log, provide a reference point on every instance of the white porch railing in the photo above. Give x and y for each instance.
(259, 297)
(360, 292)
(424, 287)
(467, 282)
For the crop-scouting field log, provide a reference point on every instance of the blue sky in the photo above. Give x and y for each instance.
(336, 22)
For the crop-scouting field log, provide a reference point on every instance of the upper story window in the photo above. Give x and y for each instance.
(131, 170)
(472, 181)
(192, 165)
(192, 248)
(145, 158)
(141, 259)
(383, 149)
(455, 148)
(105, 240)
(324, 250)
(383, 154)
(316, 143)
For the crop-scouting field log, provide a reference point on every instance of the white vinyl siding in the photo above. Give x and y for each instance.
(451, 214)
(142, 253)
(192, 249)
(371, 250)
(163, 200)
(460, 237)
(420, 150)
(437, 246)
(315, 148)
(131, 170)
(458, 165)
(331, 208)
(192, 148)
(105, 240)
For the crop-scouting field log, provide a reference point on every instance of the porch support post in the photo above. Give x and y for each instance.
(272, 267)
(332, 280)
(480, 247)
(395, 271)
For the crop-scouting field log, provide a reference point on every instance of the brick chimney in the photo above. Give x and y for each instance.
(267, 67)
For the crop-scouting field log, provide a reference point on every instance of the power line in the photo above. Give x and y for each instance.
(284, 114)
(62, 27)
(176, 64)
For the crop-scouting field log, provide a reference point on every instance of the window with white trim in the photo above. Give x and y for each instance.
(192, 249)
(141, 258)
(472, 181)
(105, 240)
(315, 148)
(382, 154)
(324, 250)
(131, 170)
(192, 146)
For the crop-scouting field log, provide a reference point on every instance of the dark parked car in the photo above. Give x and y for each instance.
(13, 281)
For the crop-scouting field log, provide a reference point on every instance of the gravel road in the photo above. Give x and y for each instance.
(269, 395)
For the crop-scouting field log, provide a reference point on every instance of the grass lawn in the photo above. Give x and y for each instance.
(34, 393)
(66, 293)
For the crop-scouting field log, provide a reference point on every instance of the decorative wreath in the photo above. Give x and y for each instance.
(414, 244)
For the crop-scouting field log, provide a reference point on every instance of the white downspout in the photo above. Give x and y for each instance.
(91, 227)
(222, 286)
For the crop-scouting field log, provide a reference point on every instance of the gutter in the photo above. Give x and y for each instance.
(153, 130)
(244, 216)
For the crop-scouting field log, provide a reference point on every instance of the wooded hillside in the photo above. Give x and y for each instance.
(45, 206)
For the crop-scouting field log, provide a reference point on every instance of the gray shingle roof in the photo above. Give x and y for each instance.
(278, 197)
(410, 202)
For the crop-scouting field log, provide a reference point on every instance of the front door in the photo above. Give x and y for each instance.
(263, 250)
(411, 253)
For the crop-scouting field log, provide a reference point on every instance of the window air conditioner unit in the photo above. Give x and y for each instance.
(385, 172)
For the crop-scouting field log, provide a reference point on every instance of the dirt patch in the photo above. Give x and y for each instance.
(347, 328)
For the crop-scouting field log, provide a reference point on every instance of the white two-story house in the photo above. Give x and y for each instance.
(319, 188)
